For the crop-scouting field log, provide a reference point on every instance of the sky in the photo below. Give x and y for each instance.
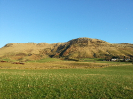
(58, 21)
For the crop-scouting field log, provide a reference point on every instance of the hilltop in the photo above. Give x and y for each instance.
(73, 49)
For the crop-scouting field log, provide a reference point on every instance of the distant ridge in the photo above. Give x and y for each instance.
(75, 48)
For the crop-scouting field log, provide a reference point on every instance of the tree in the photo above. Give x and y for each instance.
(124, 59)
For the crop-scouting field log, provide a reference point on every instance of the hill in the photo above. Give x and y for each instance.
(73, 49)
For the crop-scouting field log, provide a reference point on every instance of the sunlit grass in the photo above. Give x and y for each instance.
(107, 83)
(99, 60)
(53, 63)
(46, 60)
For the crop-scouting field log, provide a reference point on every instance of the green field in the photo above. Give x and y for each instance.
(103, 83)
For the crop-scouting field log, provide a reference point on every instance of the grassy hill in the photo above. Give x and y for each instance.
(73, 49)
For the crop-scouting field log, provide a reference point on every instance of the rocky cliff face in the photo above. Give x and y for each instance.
(76, 48)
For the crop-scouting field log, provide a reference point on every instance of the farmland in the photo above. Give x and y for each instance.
(107, 82)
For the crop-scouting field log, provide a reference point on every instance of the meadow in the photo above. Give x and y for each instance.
(113, 82)
(56, 63)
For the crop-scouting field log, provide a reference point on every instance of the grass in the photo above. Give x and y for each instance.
(46, 60)
(58, 64)
(6, 59)
(91, 59)
(100, 60)
(104, 83)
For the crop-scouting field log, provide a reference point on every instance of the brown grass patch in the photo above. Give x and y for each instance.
(54, 65)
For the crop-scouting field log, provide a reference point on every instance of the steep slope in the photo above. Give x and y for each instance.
(90, 48)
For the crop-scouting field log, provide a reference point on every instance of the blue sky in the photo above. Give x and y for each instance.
(53, 21)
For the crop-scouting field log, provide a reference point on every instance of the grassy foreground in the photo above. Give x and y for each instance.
(103, 83)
